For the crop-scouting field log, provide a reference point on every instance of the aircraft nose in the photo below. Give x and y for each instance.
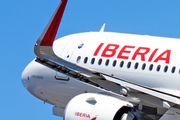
(25, 78)
(27, 73)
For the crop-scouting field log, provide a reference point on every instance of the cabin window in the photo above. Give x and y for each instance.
(158, 68)
(107, 62)
(100, 61)
(136, 65)
(143, 66)
(78, 59)
(114, 63)
(165, 68)
(121, 64)
(173, 69)
(93, 60)
(129, 65)
(85, 60)
(151, 67)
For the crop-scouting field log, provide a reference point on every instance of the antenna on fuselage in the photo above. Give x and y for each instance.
(103, 27)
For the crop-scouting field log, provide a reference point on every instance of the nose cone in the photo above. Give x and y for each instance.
(25, 77)
(27, 73)
(31, 78)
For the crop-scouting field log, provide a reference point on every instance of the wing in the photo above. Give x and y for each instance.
(43, 50)
(134, 92)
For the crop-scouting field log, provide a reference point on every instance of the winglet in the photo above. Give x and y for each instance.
(49, 33)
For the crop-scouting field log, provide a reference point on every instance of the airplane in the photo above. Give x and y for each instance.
(105, 75)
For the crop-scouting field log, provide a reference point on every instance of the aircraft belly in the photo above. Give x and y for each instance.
(59, 93)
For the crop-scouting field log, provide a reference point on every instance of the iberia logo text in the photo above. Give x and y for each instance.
(84, 115)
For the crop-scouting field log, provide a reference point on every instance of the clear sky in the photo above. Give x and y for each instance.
(22, 21)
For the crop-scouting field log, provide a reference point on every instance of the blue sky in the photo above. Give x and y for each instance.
(22, 21)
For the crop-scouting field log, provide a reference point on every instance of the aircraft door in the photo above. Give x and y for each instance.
(69, 49)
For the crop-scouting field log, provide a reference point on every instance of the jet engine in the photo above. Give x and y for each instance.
(91, 106)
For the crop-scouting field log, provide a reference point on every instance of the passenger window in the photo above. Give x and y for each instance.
(165, 68)
(107, 62)
(100, 61)
(78, 59)
(143, 66)
(158, 68)
(114, 63)
(93, 60)
(136, 65)
(151, 67)
(121, 64)
(85, 60)
(173, 69)
(129, 65)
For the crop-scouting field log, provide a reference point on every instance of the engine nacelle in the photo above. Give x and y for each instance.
(90, 106)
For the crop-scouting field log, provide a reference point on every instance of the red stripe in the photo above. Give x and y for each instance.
(51, 32)
(97, 50)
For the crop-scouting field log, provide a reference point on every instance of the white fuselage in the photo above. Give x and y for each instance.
(149, 61)
(160, 52)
